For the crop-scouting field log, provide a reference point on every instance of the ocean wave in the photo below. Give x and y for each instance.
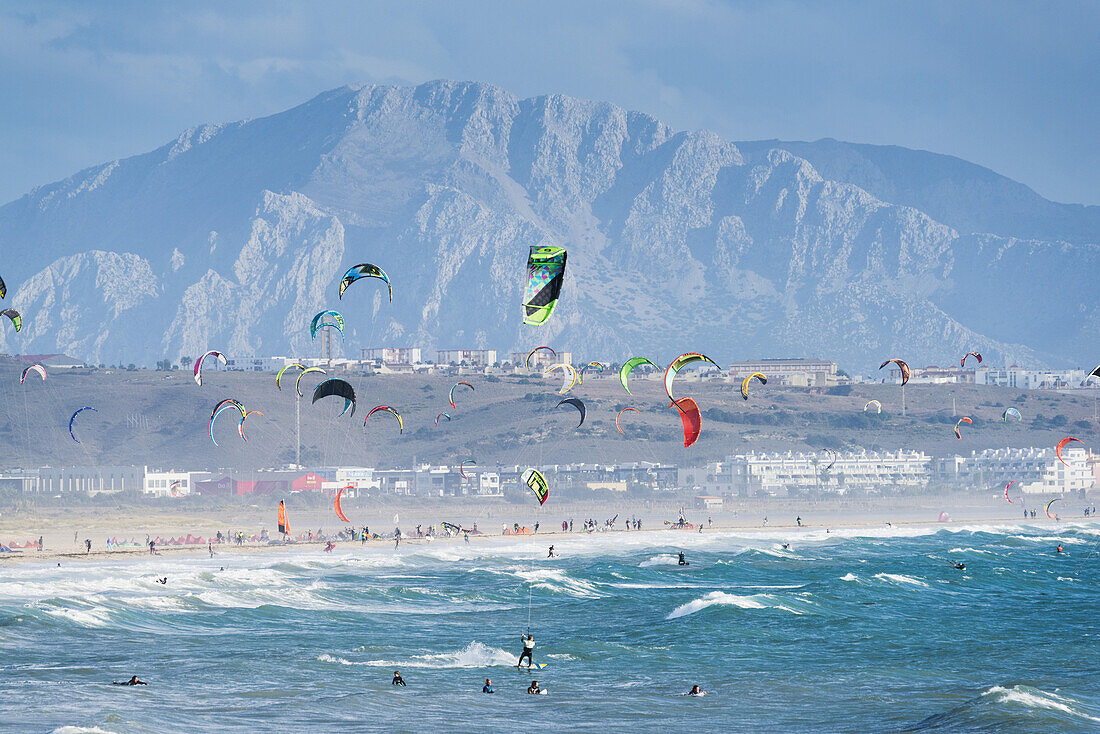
(95, 617)
(80, 730)
(900, 578)
(721, 598)
(849, 577)
(474, 655)
(970, 550)
(999, 708)
(664, 559)
(1037, 698)
(560, 582)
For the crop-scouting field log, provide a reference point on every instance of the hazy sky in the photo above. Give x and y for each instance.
(1009, 85)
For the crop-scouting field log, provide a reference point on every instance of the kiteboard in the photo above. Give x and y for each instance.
(533, 666)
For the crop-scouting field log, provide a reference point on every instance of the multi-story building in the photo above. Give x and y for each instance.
(865, 471)
(469, 357)
(1030, 379)
(540, 360)
(1037, 470)
(392, 355)
(249, 364)
(933, 375)
(789, 372)
(170, 483)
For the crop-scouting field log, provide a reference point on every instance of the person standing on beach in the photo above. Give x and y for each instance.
(87, 545)
(39, 543)
(210, 547)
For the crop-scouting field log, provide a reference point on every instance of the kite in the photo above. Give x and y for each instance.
(964, 419)
(279, 377)
(1011, 412)
(198, 364)
(442, 415)
(1054, 516)
(576, 403)
(620, 415)
(532, 353)
(534, 479)
(1014, 481)
(339, 510)
(594, 366)
(628, 367)
(451, 394)
(339, 388)
(33, 368)
(364, 270)
(1061, 444)
(388, 409)
(901, 366)
(225, 405)
(975, 355)
(306, 371)
(545, 274)
(240, 426)
(570, 376)
(16, 319)
(1095, 373)
(3, 289)
(73, 418)
(679, 363)
(317, 323)
(462, 466)
(877, 404)
(833, 462)
(693, 422)
(174, 488)
(745, 383)
(284, 526)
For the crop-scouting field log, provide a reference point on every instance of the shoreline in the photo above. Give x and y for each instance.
(31, 555)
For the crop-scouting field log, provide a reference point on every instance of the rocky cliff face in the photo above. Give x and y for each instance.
(233, 236)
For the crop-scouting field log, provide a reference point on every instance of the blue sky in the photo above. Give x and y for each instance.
(1009, 85)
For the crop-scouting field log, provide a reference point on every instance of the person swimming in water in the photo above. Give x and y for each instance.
(959, 566)
(1059, 547)
(132, 682)
(528, 649)
(397, 679)
(696, 691)
(488, 687)
(682, 561)
(534, 688)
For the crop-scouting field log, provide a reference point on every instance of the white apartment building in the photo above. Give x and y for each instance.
(788, 372)
(392, 355)
(779, 473)
(1037, 470)
(249, 364)
(169, 483)
(1030, 379)
(474, 357)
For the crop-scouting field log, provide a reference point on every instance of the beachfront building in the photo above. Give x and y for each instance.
(789, 372)
(778, 474)
(169, 483)
(1037, 470)
(250, 364)
(1030, 379)
(933, 375)
(89, 479)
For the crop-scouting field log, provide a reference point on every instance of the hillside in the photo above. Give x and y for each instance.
(233, 235)
(160, 419)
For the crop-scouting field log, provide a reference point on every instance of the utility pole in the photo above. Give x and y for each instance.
(298, 431)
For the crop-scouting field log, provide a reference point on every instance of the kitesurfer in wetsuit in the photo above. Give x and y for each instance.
(534, 687)
(488, 687)
(132, 682)
(682, 561)
(551, 555)
(163, 581)
(960, 566)
(397, 679)
(528, 648)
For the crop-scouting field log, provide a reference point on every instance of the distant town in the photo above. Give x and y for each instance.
(1034, 471)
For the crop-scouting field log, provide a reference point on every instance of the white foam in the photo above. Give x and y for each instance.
(81, 730)
(326, 658)
(721, 598)
(1036, 698)
(969, 550)
(849, 577)
(84, 617)
(474, 655)
(900, 578)
(664, 559)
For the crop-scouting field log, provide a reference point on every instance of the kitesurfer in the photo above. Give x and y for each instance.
(329, 546)
(534, 688)
(696, 691)
(528, 649)
(132, 682)
(786, 546)
(798, 520)
(1059, 547)
(960, 566)
(163, 581)
(397, 679)
(682, 561)
(551, 554)
(488, 687)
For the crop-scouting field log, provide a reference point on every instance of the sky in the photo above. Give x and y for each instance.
(1009, 85)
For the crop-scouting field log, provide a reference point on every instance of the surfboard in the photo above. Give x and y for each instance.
(534, 666)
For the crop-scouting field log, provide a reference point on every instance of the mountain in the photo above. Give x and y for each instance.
(233, 235)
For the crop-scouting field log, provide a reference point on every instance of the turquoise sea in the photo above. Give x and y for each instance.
(850, 631)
